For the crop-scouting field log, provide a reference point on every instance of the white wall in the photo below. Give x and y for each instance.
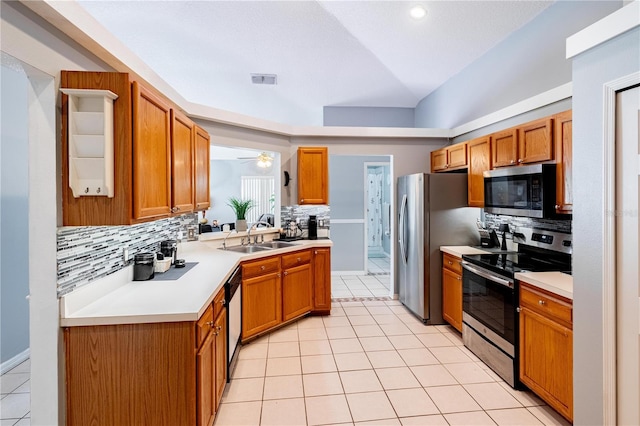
(606, 62)
(14, 215)
(527, 63)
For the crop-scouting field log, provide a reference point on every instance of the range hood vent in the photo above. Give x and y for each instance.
(264, 79)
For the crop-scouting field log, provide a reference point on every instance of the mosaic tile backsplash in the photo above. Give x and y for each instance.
(301, 215)
(493, 221)
(87, 253)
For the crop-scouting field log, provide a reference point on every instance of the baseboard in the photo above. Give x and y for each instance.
(15, 361)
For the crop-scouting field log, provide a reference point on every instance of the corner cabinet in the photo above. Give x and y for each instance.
(157, 374)
(161, 167)
(546, 347)
(452, 290)
(313, 175)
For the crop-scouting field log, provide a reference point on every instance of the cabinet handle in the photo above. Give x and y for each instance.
(210, 324)
(223, 302)
(278, 274)
(175, 209)
(541, 302)
(298, 259)
(286, 273)
(262, 267)
(215, 333)
(459, 278)
(557, 206)
(450, 262)
(218, 328)
(512, 162)
(315, 252)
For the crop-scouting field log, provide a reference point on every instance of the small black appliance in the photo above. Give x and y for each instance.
(143, 266)
(169, 248)
(313, 228)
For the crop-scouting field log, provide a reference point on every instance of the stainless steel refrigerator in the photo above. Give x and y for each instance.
(432, 212)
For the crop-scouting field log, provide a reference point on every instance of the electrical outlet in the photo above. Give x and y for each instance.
(125, 254)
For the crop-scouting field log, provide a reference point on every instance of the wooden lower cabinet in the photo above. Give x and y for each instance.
(261, 304)
(452, 290)
(169, 374)
(546, 348)
(296, 291)
(205, 360)
(322, 280)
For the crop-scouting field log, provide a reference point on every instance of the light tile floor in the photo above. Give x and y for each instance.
(15, 388)
(371, 363)
(375, 284)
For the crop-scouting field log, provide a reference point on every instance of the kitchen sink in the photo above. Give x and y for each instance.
(276, 244)
(246, 249)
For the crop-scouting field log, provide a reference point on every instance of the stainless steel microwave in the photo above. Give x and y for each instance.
(521, 191)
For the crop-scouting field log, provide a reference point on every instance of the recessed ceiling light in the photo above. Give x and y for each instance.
(418, 12)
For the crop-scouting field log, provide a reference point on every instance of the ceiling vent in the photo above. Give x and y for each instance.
(264, 78)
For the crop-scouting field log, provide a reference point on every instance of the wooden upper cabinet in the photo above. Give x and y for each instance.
(457, 155)
(563, 139)
(313, 175)
(535, 141)
(151, 154)
(202, 143)
(182, 162)
(479, 151)
(450, 158)
(504, 148)
(439, 160)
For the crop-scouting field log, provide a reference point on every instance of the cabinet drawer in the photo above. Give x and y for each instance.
(296, 259)
(546, 304)
(203, 326)
(452, 263)
(260, 267)
(218, 303)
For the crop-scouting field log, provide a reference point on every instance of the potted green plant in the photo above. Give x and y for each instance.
(240, 207)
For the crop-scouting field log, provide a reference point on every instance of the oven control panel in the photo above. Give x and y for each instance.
(542, 238)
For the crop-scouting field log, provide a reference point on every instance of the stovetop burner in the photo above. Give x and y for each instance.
(528, 258)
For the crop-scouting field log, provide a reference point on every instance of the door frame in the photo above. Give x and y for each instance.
(609, 270)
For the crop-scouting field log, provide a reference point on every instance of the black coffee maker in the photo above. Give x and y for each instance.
(313, 228)
(169, 249)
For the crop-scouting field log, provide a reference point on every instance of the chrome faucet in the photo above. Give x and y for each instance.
(255, 239)
(224, 242)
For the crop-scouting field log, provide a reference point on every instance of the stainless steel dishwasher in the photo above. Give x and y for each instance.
(233, 298)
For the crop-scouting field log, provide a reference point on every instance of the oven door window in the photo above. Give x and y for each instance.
(490, 303)
(514, 192)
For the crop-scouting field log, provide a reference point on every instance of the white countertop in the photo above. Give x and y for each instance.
(555, 282)
(458, 251)
(117, 299)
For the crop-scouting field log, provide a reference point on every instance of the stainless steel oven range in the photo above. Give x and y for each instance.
(490, 295)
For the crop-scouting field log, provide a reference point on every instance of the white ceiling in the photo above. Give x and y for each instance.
(325, 53)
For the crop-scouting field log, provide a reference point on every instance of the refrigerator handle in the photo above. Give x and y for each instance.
(402, 229)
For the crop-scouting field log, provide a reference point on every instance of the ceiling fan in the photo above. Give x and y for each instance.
(263, 160)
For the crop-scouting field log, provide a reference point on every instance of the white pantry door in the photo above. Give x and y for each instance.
(628, 255)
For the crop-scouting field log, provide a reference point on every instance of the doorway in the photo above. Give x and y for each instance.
(377, 219)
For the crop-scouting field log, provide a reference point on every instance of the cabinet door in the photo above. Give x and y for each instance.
(457, 156)
(504, 148)
(452, 298)
(313, 175)
(182, 143)
(563, 139)
(261, 304)
(201, 173)
(322, 279)
(151, 155)
(535, 141)
(439, 160)
(546, 360)
(205, 377)
(296, 292)
(479, 162)
(220, 334)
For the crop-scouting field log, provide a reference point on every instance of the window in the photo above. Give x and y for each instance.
(260, 189)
